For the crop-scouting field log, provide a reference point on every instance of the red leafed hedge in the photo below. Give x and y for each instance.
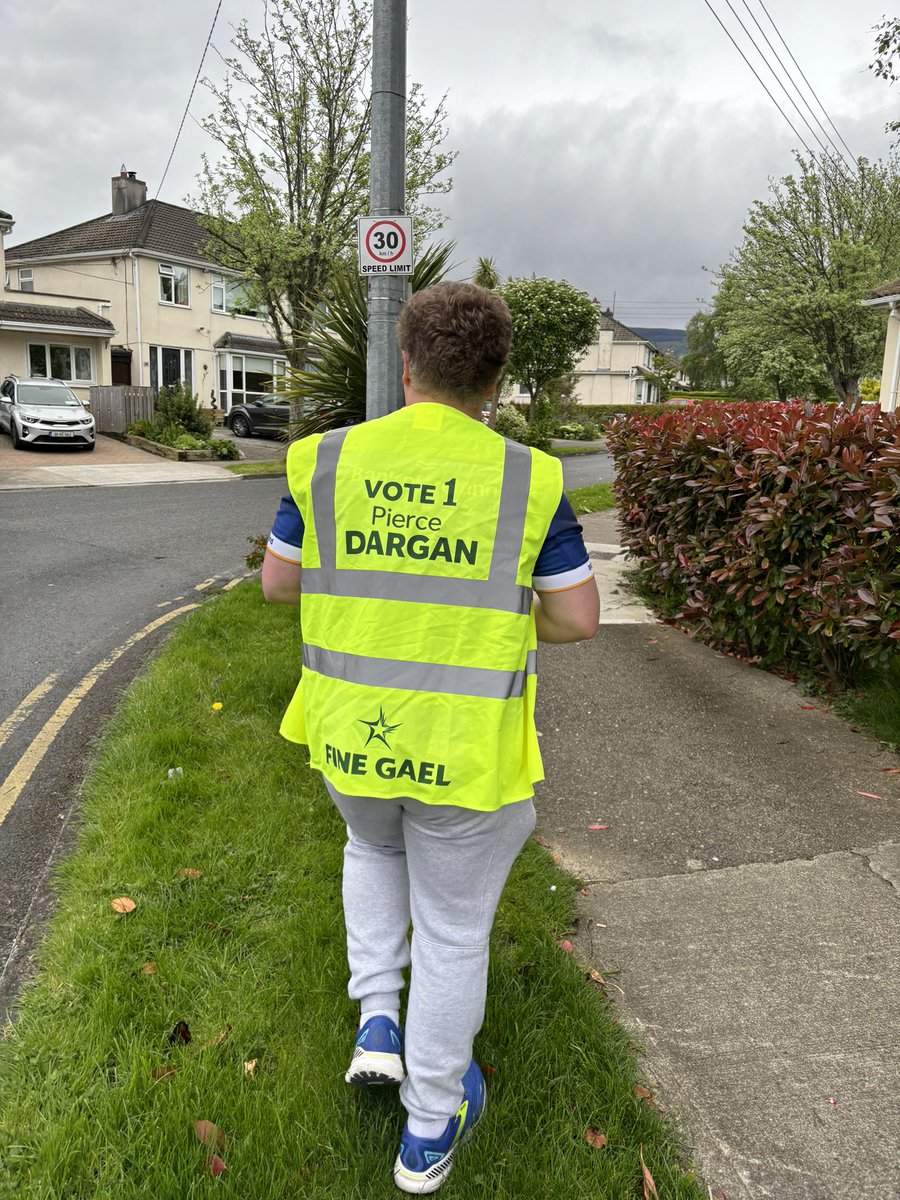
(775, 529)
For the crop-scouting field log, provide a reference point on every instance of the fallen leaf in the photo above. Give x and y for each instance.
(565, 945)
(594, 1137)
(123, 904)
(809, 708)
(541, 841)
(210, 1135)
(595, 977)
(250, 1066)
(189, 873)
(214, 1165)
(870, 795)
(649, 1185)
(717, 1194)
(180, 1033)
(889, 770)
(831, 1100)
(652, 641)
(643, 1093)
(488, 1070)
(149, 969)
(166, 1071)
(598, 827)
(584, 891)
(217, 1040)
(556, 858)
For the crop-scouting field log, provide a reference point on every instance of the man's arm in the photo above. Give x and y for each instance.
(281, 572)
(568, 616)
(280, 580)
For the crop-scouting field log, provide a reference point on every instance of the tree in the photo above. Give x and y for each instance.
(887, 50)
(553, 325)
(703, 362)
(664, 373)
(293, 120)
(810, 254)
(335, 387)
(486, 275)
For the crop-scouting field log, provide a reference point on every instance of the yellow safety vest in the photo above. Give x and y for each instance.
(421, 531)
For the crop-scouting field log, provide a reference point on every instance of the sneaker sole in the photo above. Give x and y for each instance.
(423, 1184)
(375, 1070)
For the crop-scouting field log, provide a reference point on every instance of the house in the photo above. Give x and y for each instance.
(62, 335)
(617, 367)
(887, 295)
(176, 314)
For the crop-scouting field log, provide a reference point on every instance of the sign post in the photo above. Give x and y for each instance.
(387, 283)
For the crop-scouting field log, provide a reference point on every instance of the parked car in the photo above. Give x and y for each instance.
(268, 414)
(44, 412)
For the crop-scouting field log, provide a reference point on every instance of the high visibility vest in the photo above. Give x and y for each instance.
(421, 532)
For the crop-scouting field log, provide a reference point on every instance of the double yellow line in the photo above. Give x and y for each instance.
(12, 786)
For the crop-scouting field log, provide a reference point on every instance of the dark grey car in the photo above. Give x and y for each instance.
(267, 415)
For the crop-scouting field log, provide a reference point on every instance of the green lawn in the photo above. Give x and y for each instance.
(595, 498)
(258, 468)
(875, 704)
(98, 1094)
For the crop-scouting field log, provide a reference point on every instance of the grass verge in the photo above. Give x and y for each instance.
(596, 498)
(875, 704)
(98, 1090)
(258, 468)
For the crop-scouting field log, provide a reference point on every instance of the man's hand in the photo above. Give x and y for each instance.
(280, 580)
(569, 616)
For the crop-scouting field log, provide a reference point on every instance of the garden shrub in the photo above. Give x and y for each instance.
(511, 423)
(577, 431)
(224, 448)
(177, 405)
(775, 527)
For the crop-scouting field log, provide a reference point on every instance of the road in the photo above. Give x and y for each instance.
(581, 470)
(83, 573)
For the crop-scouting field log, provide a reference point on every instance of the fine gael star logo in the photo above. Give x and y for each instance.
(379, 728)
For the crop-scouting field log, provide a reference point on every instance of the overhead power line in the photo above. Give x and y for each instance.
(793, 83)
(806, 81)
(759, 78)
(190, 98)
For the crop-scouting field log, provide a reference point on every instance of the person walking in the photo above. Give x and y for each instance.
(429, 556)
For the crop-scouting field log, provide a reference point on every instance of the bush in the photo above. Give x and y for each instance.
(511, 423)
(187, 441)
(577, 431)
(870, 390)
(177, 405)
(773, 527)
(601, 414)
(224, 448)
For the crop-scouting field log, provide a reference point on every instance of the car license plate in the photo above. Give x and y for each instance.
(60, 433)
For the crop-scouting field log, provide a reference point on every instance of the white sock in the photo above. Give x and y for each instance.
(391, 1014)
(425, 1129)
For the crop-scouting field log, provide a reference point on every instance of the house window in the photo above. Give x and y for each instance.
(169, 365)
(250, 376)
(173, 284)
(230, 296)
(26, 279)
(74, 364)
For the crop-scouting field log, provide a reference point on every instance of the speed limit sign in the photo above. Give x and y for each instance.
(385, 245)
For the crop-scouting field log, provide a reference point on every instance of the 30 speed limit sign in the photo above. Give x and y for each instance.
(385, 245)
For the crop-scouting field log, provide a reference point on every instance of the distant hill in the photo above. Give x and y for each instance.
(672, 341)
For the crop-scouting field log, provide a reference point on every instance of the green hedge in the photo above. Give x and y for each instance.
(773, 528)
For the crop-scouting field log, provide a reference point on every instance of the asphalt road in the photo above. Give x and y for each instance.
(581, 470)
(82, 570)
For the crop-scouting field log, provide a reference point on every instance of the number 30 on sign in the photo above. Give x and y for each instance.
(385, 245)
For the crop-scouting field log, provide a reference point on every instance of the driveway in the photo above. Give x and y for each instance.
(108, 452)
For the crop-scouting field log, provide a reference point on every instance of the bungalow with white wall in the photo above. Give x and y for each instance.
(887, 295)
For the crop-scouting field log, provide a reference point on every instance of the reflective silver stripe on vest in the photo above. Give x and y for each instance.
(499, 591)
(482, 682)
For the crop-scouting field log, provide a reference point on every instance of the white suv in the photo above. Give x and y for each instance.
(43, 412)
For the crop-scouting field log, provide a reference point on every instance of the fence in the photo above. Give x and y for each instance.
(115, 408)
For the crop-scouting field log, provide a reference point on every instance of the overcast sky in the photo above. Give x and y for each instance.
(615, 145)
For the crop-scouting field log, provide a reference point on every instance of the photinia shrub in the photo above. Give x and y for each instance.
(774, 529)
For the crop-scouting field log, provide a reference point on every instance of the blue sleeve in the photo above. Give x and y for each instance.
(563, 561)
(286, 538)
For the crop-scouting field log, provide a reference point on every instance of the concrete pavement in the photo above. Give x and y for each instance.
(743, 901)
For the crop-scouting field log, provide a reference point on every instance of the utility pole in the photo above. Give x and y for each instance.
(387, 293)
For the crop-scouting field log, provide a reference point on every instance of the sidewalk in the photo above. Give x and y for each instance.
(743, 901)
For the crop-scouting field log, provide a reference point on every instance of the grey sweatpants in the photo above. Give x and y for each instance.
(443, 868)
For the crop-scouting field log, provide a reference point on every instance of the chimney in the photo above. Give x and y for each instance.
(6, 224)
(128, 192)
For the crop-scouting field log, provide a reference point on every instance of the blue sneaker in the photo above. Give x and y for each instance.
(424, 1163)
(376, 1055)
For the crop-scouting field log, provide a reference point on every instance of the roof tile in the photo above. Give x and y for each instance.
(155, 226)
(46, 314)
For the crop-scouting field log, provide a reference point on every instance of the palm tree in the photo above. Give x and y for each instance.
(333, 390)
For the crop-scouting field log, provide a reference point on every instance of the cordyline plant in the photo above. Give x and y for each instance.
(773, 528)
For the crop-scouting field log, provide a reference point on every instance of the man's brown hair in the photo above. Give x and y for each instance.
(456, 337)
